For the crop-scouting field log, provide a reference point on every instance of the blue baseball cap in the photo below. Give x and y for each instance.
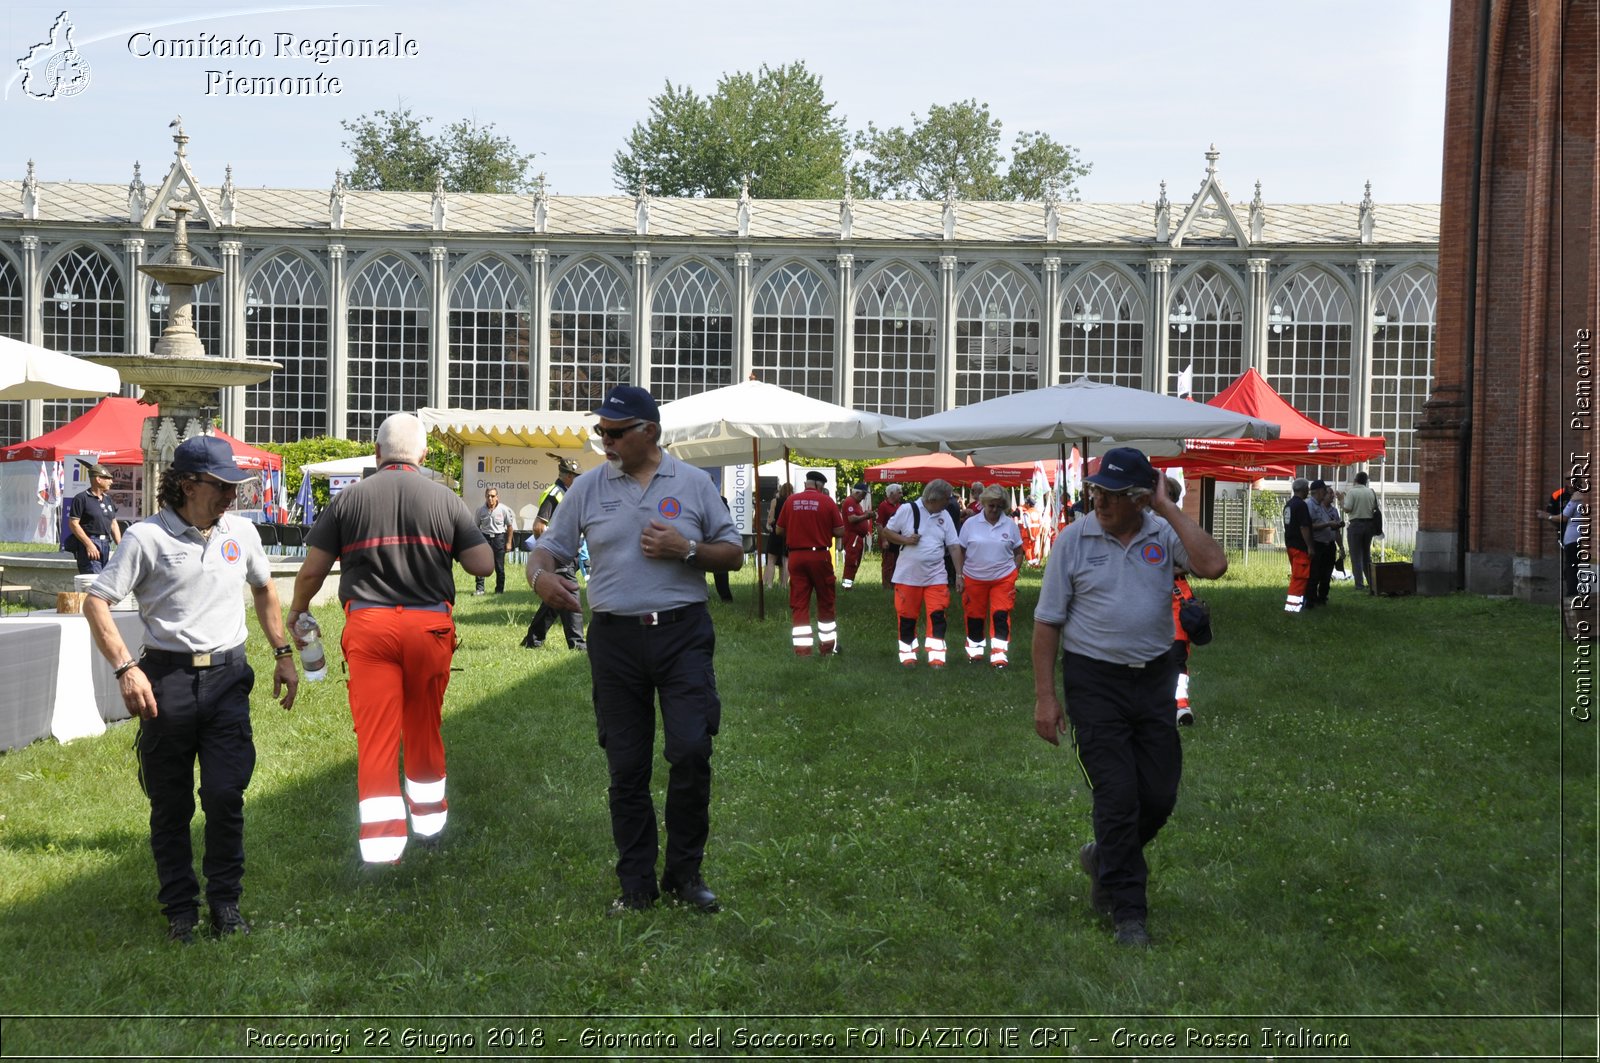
(210, 456)
(1124, 468)
(627, 402)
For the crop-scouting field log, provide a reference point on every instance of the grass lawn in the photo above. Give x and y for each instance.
(1384, 847)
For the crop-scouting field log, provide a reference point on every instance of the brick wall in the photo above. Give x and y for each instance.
(1530, 220)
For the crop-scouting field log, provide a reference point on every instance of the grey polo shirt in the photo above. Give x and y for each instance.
(611, 510)
(496, 521)
(1320, 512)
(1112, 602)
(189, 588)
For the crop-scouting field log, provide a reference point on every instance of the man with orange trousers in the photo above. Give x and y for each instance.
(810, 522)
(395, 535)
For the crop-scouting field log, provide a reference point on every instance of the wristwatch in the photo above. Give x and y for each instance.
(694, 547)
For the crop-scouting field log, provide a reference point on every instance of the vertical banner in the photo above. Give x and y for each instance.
(739, 486)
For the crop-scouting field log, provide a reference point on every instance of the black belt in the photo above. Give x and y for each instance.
(1136, 667)
(807, 549)
(664, 616)
(355, 604)
(194, 660)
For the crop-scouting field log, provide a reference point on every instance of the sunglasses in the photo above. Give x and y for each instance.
(615, 434)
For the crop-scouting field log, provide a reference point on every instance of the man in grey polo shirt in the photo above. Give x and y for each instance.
(1107, 602)
(655, 527)
(190, 688)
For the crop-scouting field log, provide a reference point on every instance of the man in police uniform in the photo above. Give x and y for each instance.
(190, 688)
(1107, 601)
(810, 522)
(655, 527)
(92, 523)
(571, 619)
(395, 535)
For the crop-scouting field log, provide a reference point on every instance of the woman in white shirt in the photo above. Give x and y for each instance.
(992, 545)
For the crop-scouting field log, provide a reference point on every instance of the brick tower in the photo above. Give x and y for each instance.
(1511, 414)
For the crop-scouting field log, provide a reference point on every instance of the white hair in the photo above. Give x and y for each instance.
(894, 489)
(401, 438)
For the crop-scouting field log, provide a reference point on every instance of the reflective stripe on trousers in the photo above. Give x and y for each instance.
(428, 807)
(383, 829)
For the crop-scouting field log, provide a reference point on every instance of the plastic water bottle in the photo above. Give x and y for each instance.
(312, 659)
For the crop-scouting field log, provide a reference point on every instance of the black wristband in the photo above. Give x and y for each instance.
(280, 652)
(122, 668)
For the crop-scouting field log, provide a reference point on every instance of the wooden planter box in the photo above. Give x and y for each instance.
(1394, 577)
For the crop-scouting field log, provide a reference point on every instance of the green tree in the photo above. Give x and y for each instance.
(775, 128)
(1039, 164)
(958, 146)
(392, 151)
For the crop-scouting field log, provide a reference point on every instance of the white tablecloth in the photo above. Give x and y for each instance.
(50, 672)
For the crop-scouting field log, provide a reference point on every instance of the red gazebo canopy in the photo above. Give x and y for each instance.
(1301, 441)
(960, 472)
(111, 429)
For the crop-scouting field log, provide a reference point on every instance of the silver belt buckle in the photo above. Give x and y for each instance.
(1141, 664)
(650, 619)
(200, 660)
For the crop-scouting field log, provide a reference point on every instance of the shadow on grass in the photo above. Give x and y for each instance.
(885, 840)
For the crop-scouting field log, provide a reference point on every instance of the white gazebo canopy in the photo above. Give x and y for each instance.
(543, 429)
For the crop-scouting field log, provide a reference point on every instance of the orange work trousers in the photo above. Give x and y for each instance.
(399, 661)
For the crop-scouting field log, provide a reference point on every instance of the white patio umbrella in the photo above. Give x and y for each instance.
(1083, 412)
(755, 421)
(28, 371)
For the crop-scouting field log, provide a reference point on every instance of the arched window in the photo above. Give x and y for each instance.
(1102, 330)
(84, 312)
(286, 321)
(11, 328)
(691, 334)
(1309, 347)
(793, 332)
(1402, 360)
(489, 338)
(1206, 333)
(591, 351)
(997, 337)
(895, 345)
(388, 344)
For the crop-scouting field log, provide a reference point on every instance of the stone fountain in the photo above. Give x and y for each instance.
(179, 376)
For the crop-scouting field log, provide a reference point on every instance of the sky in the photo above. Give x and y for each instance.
(1311, 98)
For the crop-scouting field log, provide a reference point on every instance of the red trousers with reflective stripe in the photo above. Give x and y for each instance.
(811, 570)
(399, 661)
